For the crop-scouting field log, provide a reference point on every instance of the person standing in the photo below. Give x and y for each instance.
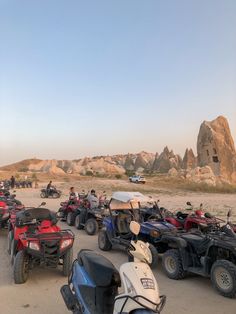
(13, 182)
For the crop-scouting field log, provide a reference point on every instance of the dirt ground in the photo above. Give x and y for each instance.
(40, 294)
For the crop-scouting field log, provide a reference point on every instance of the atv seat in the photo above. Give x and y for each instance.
(100, 269)
(198, 242)
(122, 222)
(39, 214)
(181, 216)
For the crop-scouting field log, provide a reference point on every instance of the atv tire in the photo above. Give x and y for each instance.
(12, 252)
(223, 278)
(91, 226)
(21, 268)
(67, 262)
(103, 241)
(70, 219)
(154, 256)
(172, 264)
(10, 237)
(78, 224)
(55, 195)
(43, 195)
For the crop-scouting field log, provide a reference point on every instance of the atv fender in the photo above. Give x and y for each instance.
(174, 242)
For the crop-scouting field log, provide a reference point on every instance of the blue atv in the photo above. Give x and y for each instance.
(124, 207)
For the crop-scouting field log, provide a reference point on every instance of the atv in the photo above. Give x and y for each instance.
(193, 220)
(4, 214)
(77, 212)
(89, 219)
(209, 255)
(67, 211)
(52, 193)
(123, 208)
(37, 240)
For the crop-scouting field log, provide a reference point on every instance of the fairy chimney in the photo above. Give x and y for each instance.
(215, 148)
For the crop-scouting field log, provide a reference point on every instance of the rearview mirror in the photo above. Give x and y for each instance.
(189, 204)
(134, 227)
(229, 213)
(43, 204)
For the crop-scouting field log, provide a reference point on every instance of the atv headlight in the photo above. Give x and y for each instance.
(154, 233)
(34, 246)
(65, 243)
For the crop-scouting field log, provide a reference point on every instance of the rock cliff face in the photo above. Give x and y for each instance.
(215, 148)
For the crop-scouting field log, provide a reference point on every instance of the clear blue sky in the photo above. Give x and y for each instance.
(101, 77)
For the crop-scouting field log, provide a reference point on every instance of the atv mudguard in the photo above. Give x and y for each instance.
(174, 241)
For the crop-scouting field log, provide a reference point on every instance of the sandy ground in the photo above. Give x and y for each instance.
(41, 292)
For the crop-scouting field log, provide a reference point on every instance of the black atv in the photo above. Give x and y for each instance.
(209, 255)
(88, 219)
(52, 193)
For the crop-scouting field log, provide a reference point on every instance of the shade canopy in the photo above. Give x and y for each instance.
(127, 197)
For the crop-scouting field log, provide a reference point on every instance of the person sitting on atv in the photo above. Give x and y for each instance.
(102, 199)
(93, 199)
(73, 196)
(48, 188)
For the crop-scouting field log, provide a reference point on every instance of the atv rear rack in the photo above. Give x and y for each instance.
(50, 235)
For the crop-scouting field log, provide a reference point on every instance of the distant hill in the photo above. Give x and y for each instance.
(102, 165)
(21, 165)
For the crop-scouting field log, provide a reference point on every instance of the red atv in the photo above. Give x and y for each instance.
(194, 220)
(68, 208)
(4, 214)
(37, 240)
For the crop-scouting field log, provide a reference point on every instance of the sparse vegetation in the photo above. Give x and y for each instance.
(203, 187)
(130, 173)
(118, 176)
(24, 169)
(89, 173)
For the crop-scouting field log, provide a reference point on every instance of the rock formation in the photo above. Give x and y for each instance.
(129, 162)
(189, 160)
(215, 148)
(202, 175)
(143, 162)
(166, 161)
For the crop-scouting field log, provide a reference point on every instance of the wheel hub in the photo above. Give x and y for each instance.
(170, 264)
(90, 226)
(223, 278)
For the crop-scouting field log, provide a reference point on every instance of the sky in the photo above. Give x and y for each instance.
(83, 78)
